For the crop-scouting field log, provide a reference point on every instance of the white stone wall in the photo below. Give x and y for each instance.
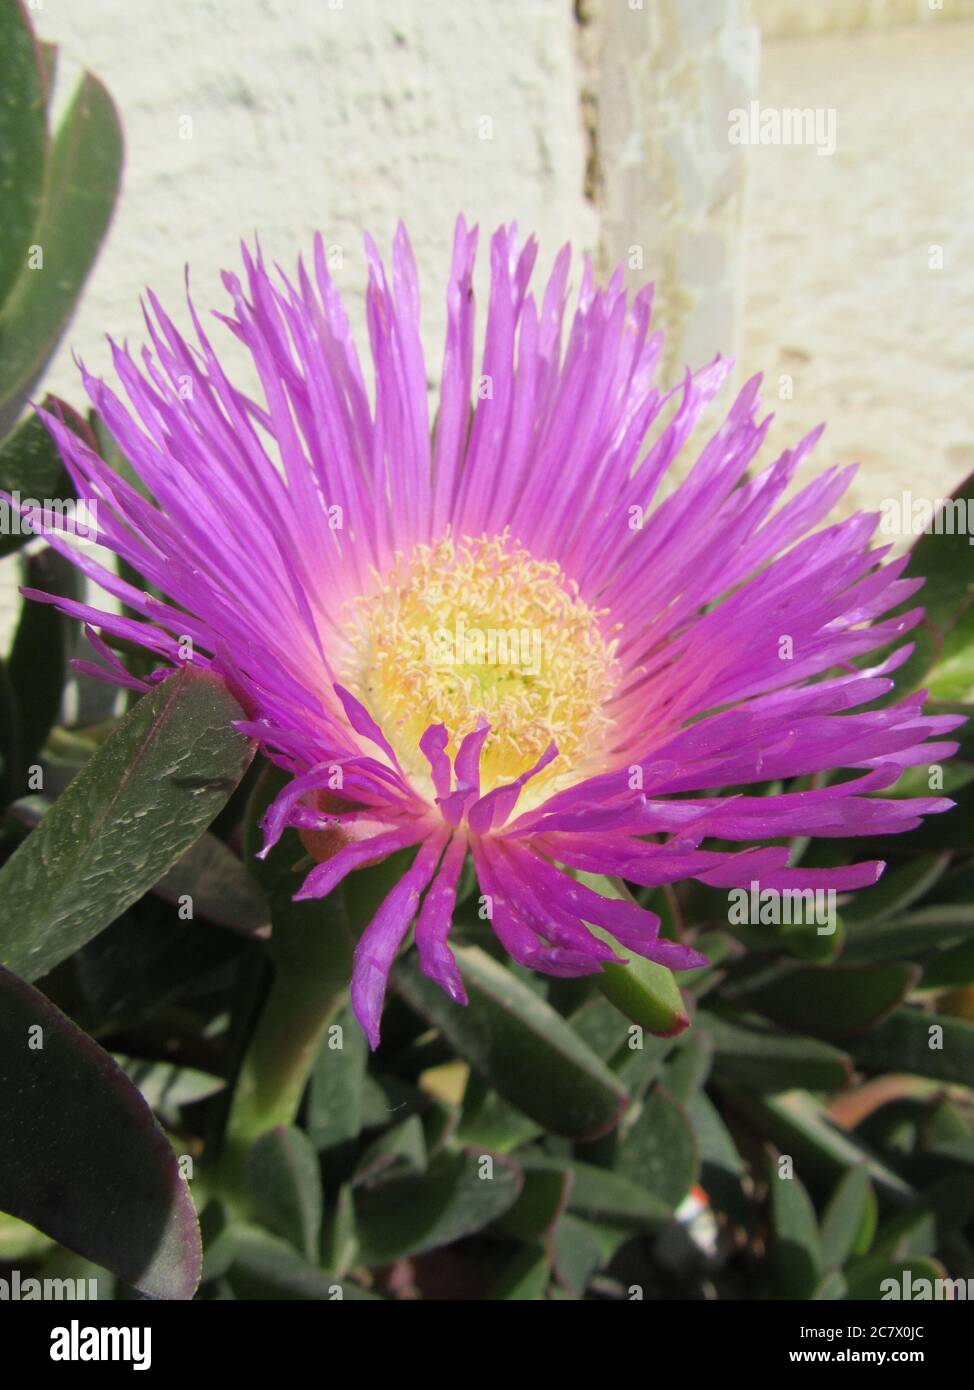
(291, 116)
(672, 189)
(599, 121)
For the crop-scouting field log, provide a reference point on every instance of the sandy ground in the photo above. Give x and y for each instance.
(841, 297)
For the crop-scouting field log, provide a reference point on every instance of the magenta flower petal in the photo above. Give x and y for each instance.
(435, 920)
(500, 640)
(383, 936)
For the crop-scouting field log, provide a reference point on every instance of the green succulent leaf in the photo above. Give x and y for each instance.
(488, 1121)
(918, 1042)
(81, 1157)
(849, 1222)
(525, 1277)
(336, 1094)
(642, 990)
(924, 929)
(577, 1254)
(798, 1247)
(944, 558)
(221, 888)
(284, 1186)
(460, 1194)
(142, 799)
(541, 1204)
(603, 1196)
(659, 1151)
(79, 194)
(797, 1124)
(260, 1265)
(38, 660)
(895, 892)
(749, 1052)
(23, 140)
(875, 1281)
(519, 1044)
(833, 1002)
(31, 468)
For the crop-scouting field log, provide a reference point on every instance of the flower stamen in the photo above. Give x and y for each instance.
(471, 629)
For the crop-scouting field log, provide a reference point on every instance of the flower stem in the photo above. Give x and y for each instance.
(312, 964)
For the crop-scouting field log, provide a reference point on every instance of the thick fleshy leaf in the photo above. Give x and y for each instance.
(525, 1277)
(642, 990)
(924, 1044)
(82, 182)
(915, 1278)
(722, 1167)
(39, 658)
(20, 1241)
(924, 929)
(849, 1222)
(142, 799)
(577, 1254)
(797, 1246)
(797, 1124)
(688, 1065)
(895, 892)
(600, 1195)
(950, 968)
(397, 1151)
(488, 1121)
(952, 676)
(751, 1053)
(261, 1266)
(23, 140)
(945, 559)
(335, 1100)
(927, 1223)
(831, 1286)
(460, 1194)
(31, 468)
(219, 887)
(339, 1243)
(539, 1207)
(284, 1187)
(81, 1156)
(165, 1087)
(659, 1151)
(948, 1134)
(519, 1044)
(830, 1002)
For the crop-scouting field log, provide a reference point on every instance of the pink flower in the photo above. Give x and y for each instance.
(498, 641)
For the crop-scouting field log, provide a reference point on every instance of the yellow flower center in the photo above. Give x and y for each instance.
(471, 629)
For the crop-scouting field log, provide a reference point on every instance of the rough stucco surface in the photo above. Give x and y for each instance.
(672, 188)
(840, 294)
(330, 115)
(311, 113)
